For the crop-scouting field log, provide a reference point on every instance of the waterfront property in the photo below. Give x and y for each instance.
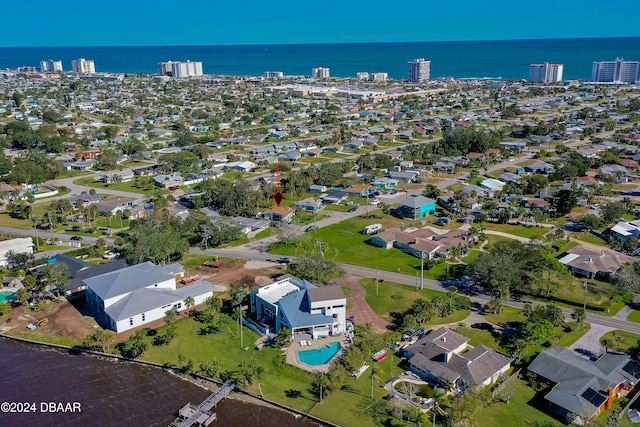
(137, 295)
(442, 355)
(300, 306)
(319, 356)
(582, 388)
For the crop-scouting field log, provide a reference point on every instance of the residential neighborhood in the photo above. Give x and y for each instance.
(462, 254)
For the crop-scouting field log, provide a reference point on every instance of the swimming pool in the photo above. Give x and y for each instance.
(319, 356)
(7, 296)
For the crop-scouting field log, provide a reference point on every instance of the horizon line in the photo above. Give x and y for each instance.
(322, 43)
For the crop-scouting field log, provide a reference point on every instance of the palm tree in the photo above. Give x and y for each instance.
(189, 302)
(439, 400)
(321, 382)
(452, 292)
(34, 222)
(376, 371)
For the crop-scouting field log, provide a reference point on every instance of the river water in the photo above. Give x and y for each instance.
(99, 392)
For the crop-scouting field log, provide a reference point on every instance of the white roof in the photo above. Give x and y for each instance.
(568, 258)
(276, 291)
(492, 183)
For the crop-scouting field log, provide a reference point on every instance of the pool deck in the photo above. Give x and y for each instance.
(295, 347)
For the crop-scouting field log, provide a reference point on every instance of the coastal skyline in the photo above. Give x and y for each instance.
(292, 23)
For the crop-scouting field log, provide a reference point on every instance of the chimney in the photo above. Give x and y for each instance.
(444, 339)
(589, 259)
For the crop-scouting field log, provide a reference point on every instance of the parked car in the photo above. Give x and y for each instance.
(77, 238)
(353, 209)
(483, 326)
(284, 260)
(374, 202)
(311, 228)
(109, 255)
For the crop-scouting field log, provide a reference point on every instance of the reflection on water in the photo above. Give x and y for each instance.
(110, 393)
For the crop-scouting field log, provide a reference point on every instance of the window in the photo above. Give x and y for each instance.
(131, 321)
(143, 319)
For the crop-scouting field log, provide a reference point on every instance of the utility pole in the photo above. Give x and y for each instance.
(584, 306)
(205, 238)
(377, 277)
(421, 270)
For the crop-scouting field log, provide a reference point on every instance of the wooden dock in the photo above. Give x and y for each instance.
(191, 414)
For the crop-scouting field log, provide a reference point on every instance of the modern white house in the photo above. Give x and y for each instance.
(301, 306)
(19, 246)
(134, 296)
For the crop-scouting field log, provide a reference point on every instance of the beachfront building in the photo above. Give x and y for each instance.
(179, 69)
(134, 296)
(320, 73)
(23, 245)
(419, 70)
(50, 66)
(300, 306)
(545, 73)
(618, 71)
(83, 66)
(273, 75)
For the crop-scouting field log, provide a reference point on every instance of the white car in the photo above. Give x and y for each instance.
(374, 202)
(109, 255)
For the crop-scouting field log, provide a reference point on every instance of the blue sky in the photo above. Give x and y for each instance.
(220, 22)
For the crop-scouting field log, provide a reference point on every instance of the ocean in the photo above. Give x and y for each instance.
(109, 393)
(508, 60)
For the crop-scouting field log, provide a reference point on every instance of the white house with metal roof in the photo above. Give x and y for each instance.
(136, 295)
(19, 246)
(301, 306)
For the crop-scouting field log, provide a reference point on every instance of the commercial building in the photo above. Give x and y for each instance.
(618, 71)
(83, 66)
(49, 65)
(545, 73)
(419, 70)
(179, 69)
(320, 73)
(372, 77)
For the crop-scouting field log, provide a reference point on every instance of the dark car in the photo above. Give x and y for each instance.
(483, 326)
(284, 260)
(78, 238)
(310, 228)
(353, 209)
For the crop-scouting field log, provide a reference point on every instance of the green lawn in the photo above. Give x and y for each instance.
(623, 341)
(590, 238)
(508, 315)
(265, 233)
(140, 185)
(478, 336)
(352, 247)
(634, 316)
(396, 297)
(340, 407)
(517, 230)
(524, 409)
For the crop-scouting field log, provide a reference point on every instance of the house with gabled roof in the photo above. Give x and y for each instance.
(300, 306)
(590, 263)
(134, 296)
(279, 214)
(444, 355)
(582, 388)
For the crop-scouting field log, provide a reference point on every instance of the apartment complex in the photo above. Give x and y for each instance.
(273, 75)
(83, 66)
(419, 70)
(618, 71)
(49, 65)
(545, 73)
(320, 73)
(179, 69)
(372, 77)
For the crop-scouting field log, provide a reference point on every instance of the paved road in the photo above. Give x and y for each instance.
(478, 298)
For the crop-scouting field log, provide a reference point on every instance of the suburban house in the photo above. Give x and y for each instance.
(424, 242)
(417, 207)
(309, 204)
(279, 214)
(583, 388)
(385, 183)
(20, 246)
(591, 263)
(300, 306)
(443, 355)
(168, 181)
(134, 296)
(626, 230)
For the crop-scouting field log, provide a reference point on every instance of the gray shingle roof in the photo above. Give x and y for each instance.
(130, 279)
(417, 201)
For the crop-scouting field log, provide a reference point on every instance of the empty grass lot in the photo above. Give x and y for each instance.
(395, 297)
(517, 230)
(623, 341)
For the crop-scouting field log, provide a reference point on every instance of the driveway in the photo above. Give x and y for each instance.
(361, 311)
(588, 345)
